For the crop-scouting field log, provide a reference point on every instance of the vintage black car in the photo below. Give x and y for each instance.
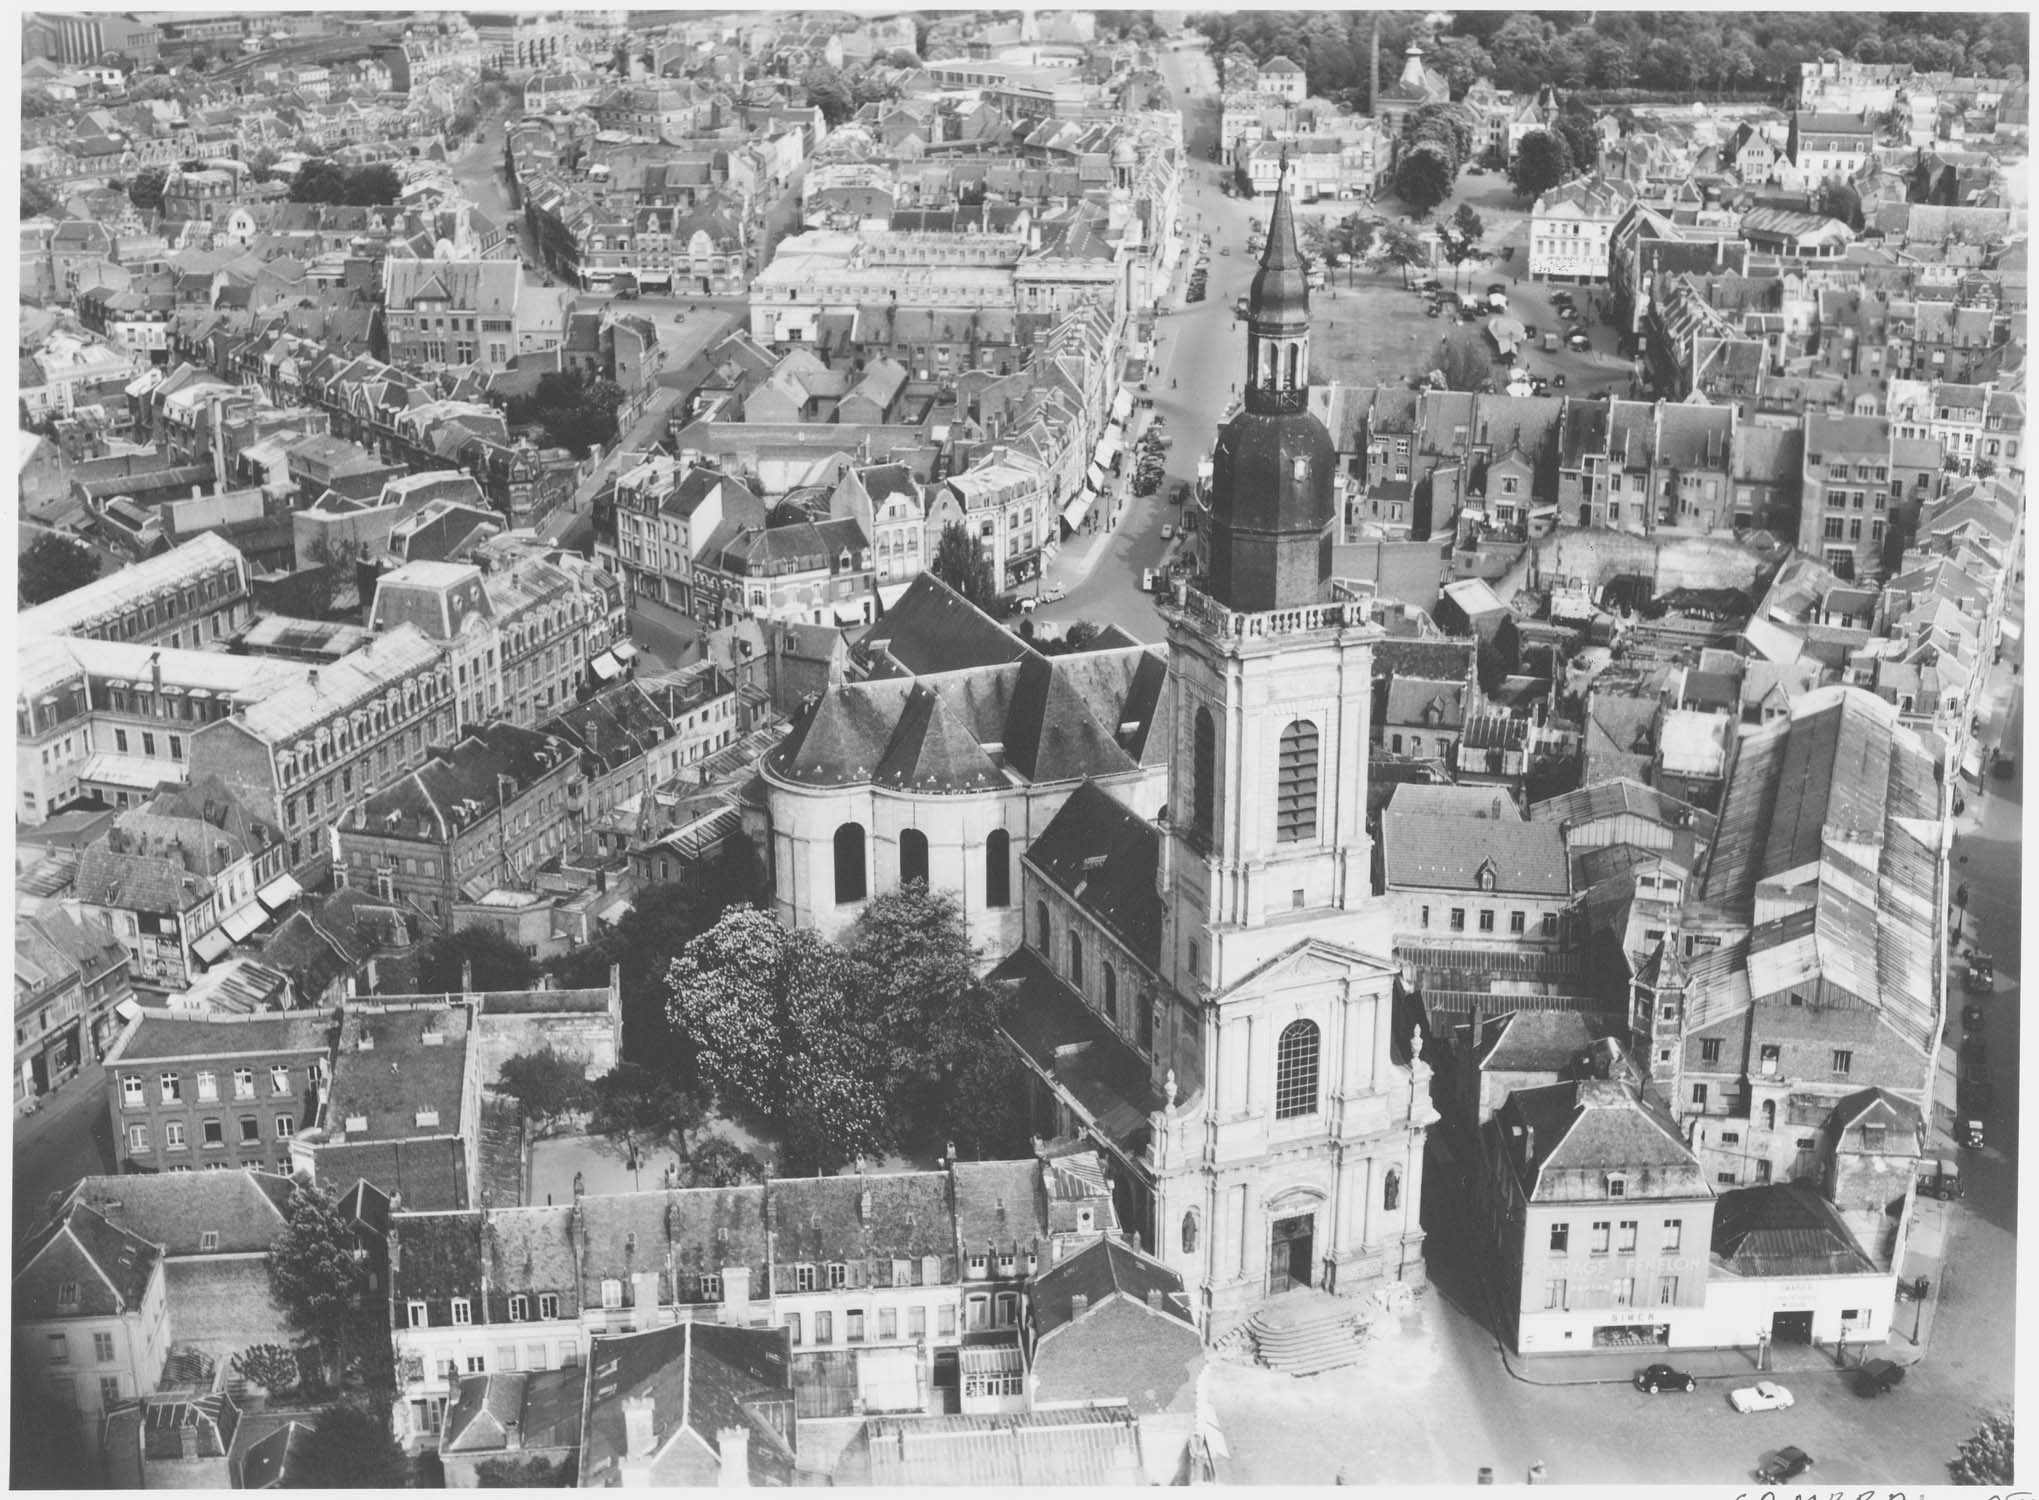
(1663, 1378)
(1785, 1463)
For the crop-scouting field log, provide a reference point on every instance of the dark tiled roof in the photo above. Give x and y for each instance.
(1784, 1229)
(1101, 1271)
(932, 752)
(402, 1074)
(935, 629)
(823, 1218)
(245, 1209)
(109, 1267)
(1106, 858)
(1535, 1041)
(429, 1174)
(1580, 1131)
(157, 1038)
(1433, 850)
(999, 1204)
(1067, 1041)
(701, 1378)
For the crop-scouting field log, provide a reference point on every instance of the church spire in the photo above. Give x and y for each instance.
(1278, 315)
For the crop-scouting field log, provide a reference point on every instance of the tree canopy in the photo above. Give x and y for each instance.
(642, 1110)
(499, 964)
(1542, 161)
(777, 1029)
(573, 409)
(327, 1291)
(962, 565)
(547, 1083)
(348, 1448)
(1985, 1458)
(145, 188)
(1423, 178)
(325, 181)
(53, 565)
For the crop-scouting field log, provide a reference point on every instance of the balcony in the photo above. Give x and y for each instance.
(1230, 624)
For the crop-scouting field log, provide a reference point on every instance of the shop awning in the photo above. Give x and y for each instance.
(1074, 512)
(1095, 478)
(243, 924)
(279, 892)
(606, 667)
(846, 616)
(624, 651)
(890, 594)
(213, 946)
(127, 1010)
(1108, 446)
(1122, 405)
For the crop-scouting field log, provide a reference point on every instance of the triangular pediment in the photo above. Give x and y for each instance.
(1311, 961)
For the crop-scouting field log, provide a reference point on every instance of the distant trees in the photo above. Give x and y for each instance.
(53, 565)
(499, 964)
(145, 189)
(325, 181)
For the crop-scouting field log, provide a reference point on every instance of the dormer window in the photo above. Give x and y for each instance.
(1617, 1185)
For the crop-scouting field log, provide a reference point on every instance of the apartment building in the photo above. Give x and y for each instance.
(1571, 230)
(186, 1094)
(69, 977)
(481, 813)
(301, 757)
(91, 1314)
(452, 312)
(665, 514)
(197, 594)
(1845, 492)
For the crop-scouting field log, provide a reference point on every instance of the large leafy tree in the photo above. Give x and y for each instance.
(145, 188)
(547, 1083)
(1837, 200)
(53, 565)
(1423, 178)
(776, 1026)
(962, 565)
(573, 409)
(38, 201)
(1542, 161)
(498, 963)
(1398, 245)
(1985, 1458)
(348, 1448)
(642, 1110)
(325, 1288)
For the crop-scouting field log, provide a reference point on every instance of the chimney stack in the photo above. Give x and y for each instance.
(733, 1446)
(1154, 1298)
(638, 1438)
(1079, 1304)
(187, 1440)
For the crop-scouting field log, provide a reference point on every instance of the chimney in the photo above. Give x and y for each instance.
(1078, 1306)
(1528, 1142)
(733, 1445)
(187, 1440)
(467, 988)
(311, 678)
(637, 1429)
(156, 670)
(1154, 1298)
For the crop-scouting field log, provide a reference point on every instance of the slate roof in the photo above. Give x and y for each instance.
(159, 1037)
(1440, 851)
(1099, 1272)
(543, 1406)
(1410, 698)
(1093, 1446)
(245, 1209)
(701, 1378)
(429, 1174)
(935, 629)
(823, 1218)
(1070, 1043)
(1535, 1041)
(1617, 796)
(139, 882)
(110, 1267)
(1105, 857)
(265, 1463)
(1577, 1132)
(1783, 1229)
(1000, 1205)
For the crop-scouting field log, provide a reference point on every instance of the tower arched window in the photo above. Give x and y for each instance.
(1203, 775)
(1295, 1071)
(1111, 994)
(1189, 1232)
(849, 864)
(1391, 1190)
(1076, 960)
(1295, 366)
(913, 856)
(1296, 797)
(998, 868)
(1043, 939)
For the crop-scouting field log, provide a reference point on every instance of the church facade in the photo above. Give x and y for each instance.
(1207, 993)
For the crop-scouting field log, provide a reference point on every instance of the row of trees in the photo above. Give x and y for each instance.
(324, 181)
(1673, 51)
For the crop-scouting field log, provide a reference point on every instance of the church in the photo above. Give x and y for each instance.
(1203, 979)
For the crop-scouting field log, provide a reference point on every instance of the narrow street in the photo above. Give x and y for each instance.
(68, 1137)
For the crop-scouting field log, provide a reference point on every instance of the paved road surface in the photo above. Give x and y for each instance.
(67, 1138)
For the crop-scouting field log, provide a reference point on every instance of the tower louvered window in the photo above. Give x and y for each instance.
(1296, 800)
(1204, 775)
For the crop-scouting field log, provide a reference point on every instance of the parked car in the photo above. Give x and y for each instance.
(1578, 342)
(1497, 286)
(1557, 382)
(1764, 1395)
(1785, 1463)
(1147, 581)
(1029, 604)
(1971, 1016)
(1940, 1178)
(1053, 592)
(1663, 1378)
(1879, 1377)
(1167, 531)
(1968, 1133)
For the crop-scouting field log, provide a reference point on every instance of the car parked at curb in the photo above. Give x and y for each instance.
(1663, 1378)
(1785, 1463)
(1879, 1377)
(1764, 1395)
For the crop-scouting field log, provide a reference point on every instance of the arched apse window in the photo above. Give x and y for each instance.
(1203, 775)
(1391, 1190)
(998, 868)
(1189, 1229)
(1076, 960)
(849, 864)
(1296, 797)
(912, 856)
(1111, 994)
(1295, 1071)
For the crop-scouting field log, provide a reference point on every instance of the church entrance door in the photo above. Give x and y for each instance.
(1290, 1253)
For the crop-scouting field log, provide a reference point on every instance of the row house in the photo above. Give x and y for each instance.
(458, 312)
(628, 741)
(188, 1094)
(71, 978)
(816, 571)
(1571, 230)
(892, 1289)
(480, 814)
(666, 514)
(1845, 492)
(195, 594)
(91, 1314)
(304, 755)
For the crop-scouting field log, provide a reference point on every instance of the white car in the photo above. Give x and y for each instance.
(1167, 531)
(1052, 592)
(1764, 1395)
